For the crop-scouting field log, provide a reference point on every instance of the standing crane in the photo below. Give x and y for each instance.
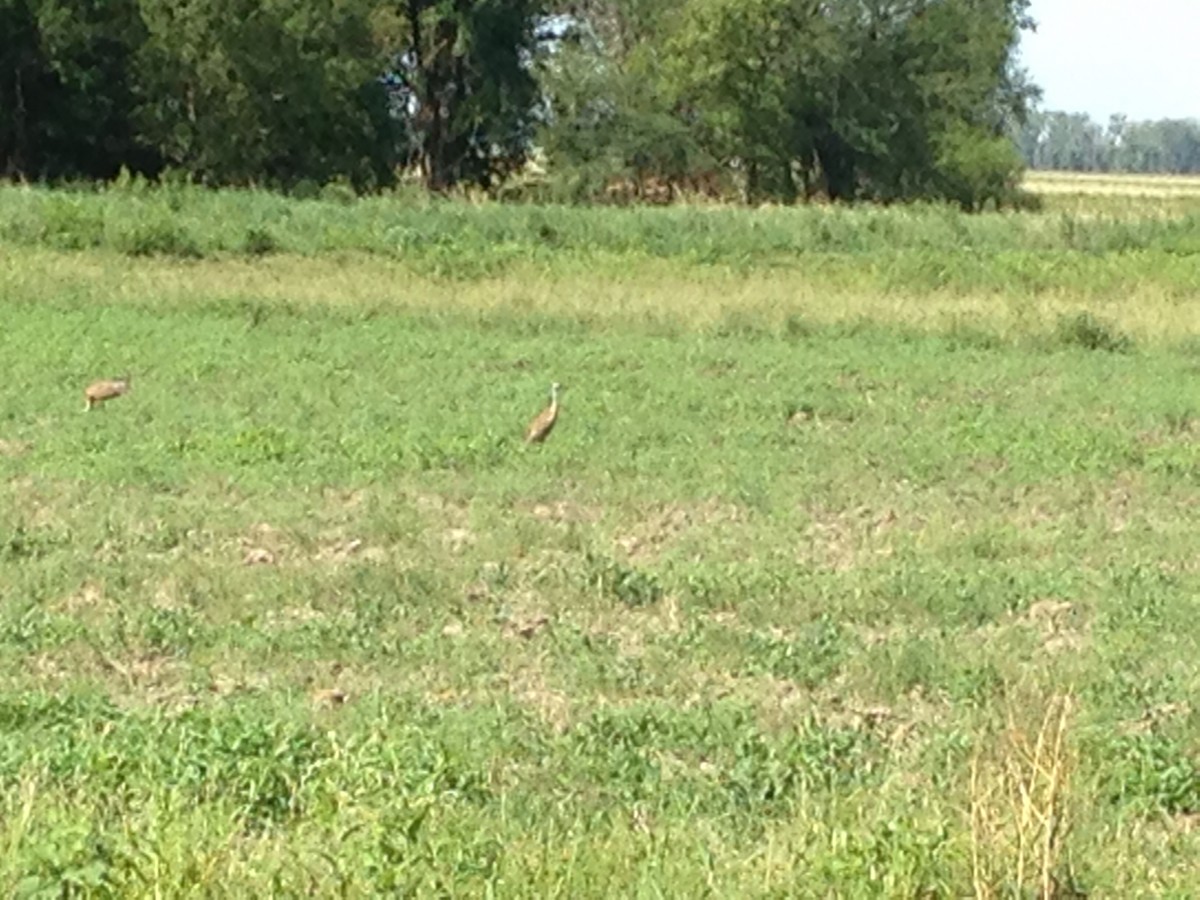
(543, 423)
(106, 389)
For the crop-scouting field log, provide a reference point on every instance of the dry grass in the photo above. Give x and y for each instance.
(1120, 183)
(1020, 813)
(657, 294)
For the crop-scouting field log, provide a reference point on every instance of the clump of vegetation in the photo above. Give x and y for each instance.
(259, 242)
(1084, 329)
(159, 238)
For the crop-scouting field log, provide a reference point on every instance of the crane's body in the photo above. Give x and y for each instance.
(543, 423)
(99, 391)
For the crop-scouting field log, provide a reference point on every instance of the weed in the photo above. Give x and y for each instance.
(1020, 814)
(809, 658)
(1092, 333)
(259, 242)
(1154, 772)
(610, 577)
(159, 238)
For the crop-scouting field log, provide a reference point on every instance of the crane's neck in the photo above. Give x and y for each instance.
(554, 399)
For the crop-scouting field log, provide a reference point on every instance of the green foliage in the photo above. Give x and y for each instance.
(622, 582)
(67, 85)
(607, 128)
(755, 73)
(976, 168)
(1074, 142)
(301, 615)
(808, 658)
(229, 91)
(1154, 772)
(1085, 330)
(259, 242)
(467, 95)
(158, 237)
(241, 92)
(812, 97)
(914, 248)
(633, 100)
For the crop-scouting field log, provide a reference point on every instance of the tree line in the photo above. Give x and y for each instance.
(775, 100)
(1075, 142)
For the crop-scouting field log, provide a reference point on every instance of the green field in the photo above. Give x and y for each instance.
(845, 510)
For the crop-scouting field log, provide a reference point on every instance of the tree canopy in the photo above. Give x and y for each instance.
(1059, 140)
(769, 99)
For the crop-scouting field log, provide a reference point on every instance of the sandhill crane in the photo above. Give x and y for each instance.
(106, 389)
(539, 429)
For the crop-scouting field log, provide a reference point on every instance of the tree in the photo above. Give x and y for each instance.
(266, 91)
(1074, 142)
(857, 98)
(608, 122)
(66, 88)
(467, 95)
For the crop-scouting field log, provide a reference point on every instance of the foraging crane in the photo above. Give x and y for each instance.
(539, 429)
(106, 389)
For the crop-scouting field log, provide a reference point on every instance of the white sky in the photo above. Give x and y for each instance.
(1138, 57)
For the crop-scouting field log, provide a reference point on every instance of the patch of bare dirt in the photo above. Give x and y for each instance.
(89, 597)
(342, 550)
(842, 540)
(1048, 614)
(329, 697)
(563, 512)
(1155, 716)
(14, 448)
(265, 545)
(141, 672)
(451, 511)
(1059, 622)
(458, 539)
(49, 667)
(258, 556)
(348, 500)
(664, 524)
(1186, 822)
(874, 637)
(526, 627)
(553, 707)
(802, 415)
(1183, 430)
(630, 630)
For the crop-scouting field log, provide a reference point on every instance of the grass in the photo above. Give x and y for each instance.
(825, 584)
(1123, 195)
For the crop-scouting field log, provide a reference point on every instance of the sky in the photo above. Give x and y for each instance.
(1137, 57)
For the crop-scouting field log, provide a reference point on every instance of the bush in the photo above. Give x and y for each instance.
(975, 168)
(1086, 330)
(259, 242)
(159, 238)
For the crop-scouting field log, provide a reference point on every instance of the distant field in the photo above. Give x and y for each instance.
(845, 508)
(1117, 195)
(1114, 183)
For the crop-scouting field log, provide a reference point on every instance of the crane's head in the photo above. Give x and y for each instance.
(555, 388)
